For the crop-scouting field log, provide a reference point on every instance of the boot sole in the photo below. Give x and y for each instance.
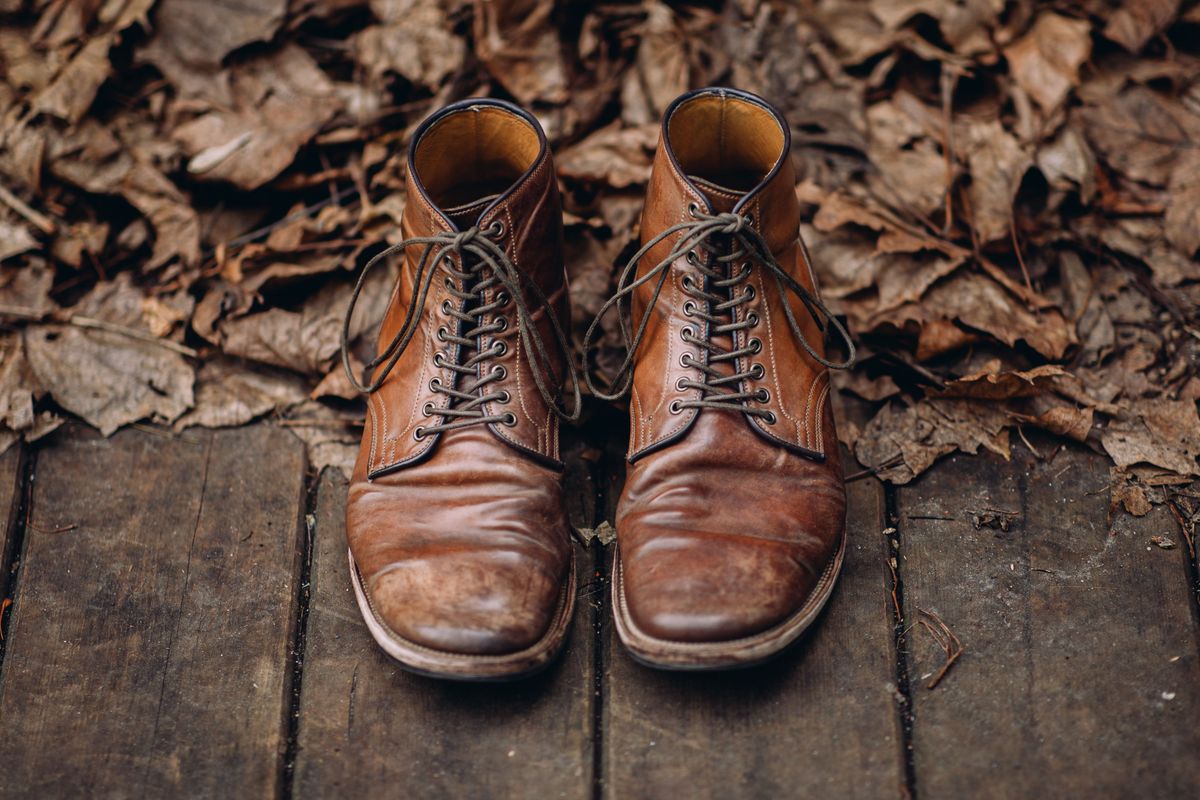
(749, 651)
(432, 663)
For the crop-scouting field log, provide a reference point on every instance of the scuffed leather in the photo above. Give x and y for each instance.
(461, 537)
(726, 523)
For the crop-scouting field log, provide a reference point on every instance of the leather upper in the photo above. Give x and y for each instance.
(727, 519)
(461, 535)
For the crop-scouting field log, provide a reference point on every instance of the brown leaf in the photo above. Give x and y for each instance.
(1165, 433)
(997, 164)
(415, 44)
(292, 339)
(993, 383)
(1046, 60)
(280, 101)
(1183, 206)
(26, 290)
(1137, 21)
(229, 394)
(903, 443)
(15, 239)
(979, 303)
(75, 87)
(106, 378)
(1125, 490)
(616, 156)
(1140, 132)
(192, 38)
(92, 158)
(660, 71)
(518, 43)
(18, 386)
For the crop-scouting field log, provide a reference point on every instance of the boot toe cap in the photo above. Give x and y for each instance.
(466, 605)
(688, 588)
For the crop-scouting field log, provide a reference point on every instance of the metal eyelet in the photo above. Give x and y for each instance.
(510, 419)
(427, 410)
(500, 348)
(685, 360)
(756, 345)
(439, 360)
(435, 384)
(681, 384)
(500, 372)
(691, 258)
(505, 397)
(441, 333)
(749, 218)
(686, 283)
(689, 309)
(752, 318)
(502, 323)
(501, 297)
(496, 229)
(762, 396)
(418, 433)
(449, 284)
(674, 408)
(686, 331)
(757, 372)
(770, 418)
(694, 209)
(750, 293)
(445, 306)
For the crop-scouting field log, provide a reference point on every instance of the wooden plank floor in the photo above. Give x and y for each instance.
(180, 624)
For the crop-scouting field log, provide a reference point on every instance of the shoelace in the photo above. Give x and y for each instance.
(485, 265)
(722, 298)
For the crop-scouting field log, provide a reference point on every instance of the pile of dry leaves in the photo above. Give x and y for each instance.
(1003, 199)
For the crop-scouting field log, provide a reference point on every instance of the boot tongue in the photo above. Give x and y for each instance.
(722, 199)
(467, 214)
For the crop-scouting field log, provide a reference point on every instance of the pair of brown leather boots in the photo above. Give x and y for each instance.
(731, 525)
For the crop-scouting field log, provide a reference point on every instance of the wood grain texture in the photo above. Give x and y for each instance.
(148, 652)
(819, 721)
(370, 729)
(1080, 676)
(10, 499)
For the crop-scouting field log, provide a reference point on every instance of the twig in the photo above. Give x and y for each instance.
(59, 529)
(864, 473)
(928, 516)
(1184, 531)
(43, 223)
(1032, 449)
(1012, 229)
(946, 640)
(80, 321)
(949, 81)
(132, 333)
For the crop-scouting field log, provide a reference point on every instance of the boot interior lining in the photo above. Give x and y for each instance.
(477, 153)
(725, 140)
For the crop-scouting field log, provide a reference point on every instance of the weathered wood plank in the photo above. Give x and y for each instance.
(819, 721)
(1080, 676)
(370, 729)
(10, 499)
(148, 651)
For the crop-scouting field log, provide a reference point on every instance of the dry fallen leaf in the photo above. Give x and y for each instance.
(903, 443)
(1165, 433)
(1046, 61)
(106, 378)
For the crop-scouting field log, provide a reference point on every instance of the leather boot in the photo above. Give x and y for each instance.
(730, 528)
(459, 542)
